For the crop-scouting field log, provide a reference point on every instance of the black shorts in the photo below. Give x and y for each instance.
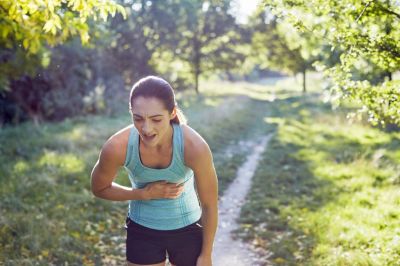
(149, 246)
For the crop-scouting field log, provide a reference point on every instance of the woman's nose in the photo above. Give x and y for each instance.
(146, 128)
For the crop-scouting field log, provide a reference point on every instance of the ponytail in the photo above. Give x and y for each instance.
(180, 118)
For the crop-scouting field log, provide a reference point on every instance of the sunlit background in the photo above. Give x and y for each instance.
(320, 76)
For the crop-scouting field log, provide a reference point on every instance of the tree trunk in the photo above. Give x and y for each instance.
(304, 81)
(196, 79)
(230, 76)
(36, 120)
(390, 76)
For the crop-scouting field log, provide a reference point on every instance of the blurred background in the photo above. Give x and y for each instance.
(65, 58)
(321, 75)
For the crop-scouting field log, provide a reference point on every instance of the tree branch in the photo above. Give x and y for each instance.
(362, 12)
(384, 9)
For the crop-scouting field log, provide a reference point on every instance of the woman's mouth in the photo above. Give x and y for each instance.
(148, 138)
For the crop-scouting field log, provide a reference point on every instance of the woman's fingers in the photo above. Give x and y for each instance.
(162, 189)
(174, 190)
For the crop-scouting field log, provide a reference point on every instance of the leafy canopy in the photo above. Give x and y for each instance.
(29, 27)
(367, 34)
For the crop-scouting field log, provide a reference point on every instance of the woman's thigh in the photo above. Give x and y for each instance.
(146, 246)
(143, 247)
(184, 247)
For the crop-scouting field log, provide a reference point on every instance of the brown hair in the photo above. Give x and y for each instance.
(156, 87)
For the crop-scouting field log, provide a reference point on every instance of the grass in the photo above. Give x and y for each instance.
(326, 192)
(47, 212)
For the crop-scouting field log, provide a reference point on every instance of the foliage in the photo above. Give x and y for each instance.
(76, 81)
(205, 39)
(132, 42)
(367, 35)
(29, 27)
(277, 45)
(52, 76)
(156, 37)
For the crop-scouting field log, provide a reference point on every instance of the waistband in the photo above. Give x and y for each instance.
(129, 224)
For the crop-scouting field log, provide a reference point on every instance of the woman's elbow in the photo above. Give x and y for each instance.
(97, 190)
(97, 193)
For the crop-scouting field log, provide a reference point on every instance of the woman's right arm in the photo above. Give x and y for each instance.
(112, 157)
(105, 171)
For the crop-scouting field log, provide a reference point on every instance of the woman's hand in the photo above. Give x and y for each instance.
(204, 260)
(162, 190)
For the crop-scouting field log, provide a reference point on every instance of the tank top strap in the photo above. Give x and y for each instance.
(179, 143)
(131, 158)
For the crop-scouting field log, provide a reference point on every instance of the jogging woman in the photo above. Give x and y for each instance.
(173, 198)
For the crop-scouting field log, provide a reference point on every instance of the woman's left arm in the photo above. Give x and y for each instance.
(198, 157)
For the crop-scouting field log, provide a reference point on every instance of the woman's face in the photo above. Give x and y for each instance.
(152, 120)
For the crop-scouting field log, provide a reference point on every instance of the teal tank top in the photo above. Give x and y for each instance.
(162, 214)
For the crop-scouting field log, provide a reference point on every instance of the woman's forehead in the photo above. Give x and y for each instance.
(148, 107)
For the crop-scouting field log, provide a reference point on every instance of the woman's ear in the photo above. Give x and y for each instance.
(173, 114)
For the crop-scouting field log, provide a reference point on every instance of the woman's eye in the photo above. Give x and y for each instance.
(157, 121)
(137, 119)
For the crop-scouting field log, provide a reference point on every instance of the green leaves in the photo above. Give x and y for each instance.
(30, 27)
(201, 40)
(365, 33)
(52, 25)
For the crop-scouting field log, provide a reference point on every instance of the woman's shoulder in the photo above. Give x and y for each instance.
(116, 145)
(195, 145)
(191, 137)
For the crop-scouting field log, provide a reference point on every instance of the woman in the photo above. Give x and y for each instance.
(165, 160)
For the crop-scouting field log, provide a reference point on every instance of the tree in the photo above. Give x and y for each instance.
(40, 78)
(368, 33)
(212, 35)
(277, 45)
(28, 28)
(149, 27)
(204, 40)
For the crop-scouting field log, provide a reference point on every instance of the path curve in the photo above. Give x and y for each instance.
(228, 251)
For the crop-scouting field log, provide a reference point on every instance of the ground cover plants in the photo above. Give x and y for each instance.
(326, 191)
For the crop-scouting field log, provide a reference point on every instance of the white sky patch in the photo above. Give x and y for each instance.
(242, 9)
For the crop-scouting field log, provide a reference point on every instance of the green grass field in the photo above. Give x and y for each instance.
(326, 191)
(48, 214)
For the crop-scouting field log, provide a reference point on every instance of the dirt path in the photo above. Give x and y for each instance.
(228, 251)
